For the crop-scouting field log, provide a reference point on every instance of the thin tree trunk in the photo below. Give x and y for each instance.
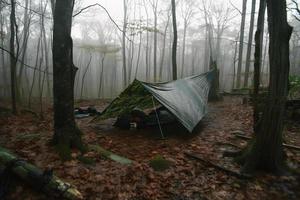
(4, 72)
(234, 63)
(242, 30)
(206, 50)
(34, 72)
(147, 44)
(163, 50)
(248, 56)
(101, 76)
(13, 61)
(155, 41)
(183, 48)
(27, 21)
(263, 63)
(174, 47)
(124, 44)
(83, 76)
(138, 58)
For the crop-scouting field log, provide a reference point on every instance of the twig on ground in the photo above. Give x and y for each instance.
(227, 171)
(284, 144)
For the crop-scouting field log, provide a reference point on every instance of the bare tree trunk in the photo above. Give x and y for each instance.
(174, 47)
(163, 49)
(13, 61)
(183, 48)
(234, 62)
(4, 72)
(42, 75)
(46, 74)
(194, 53)
(242, 31)
(263, 60)
(66, 133)
(266, 151)
(101, 76)
(34, 71)
(155, 41)
(27, 21)
(83, 76)
(206, 50)
(139, 55)
(130, 60)
(124, 44)
(257, 60)
(248, 56)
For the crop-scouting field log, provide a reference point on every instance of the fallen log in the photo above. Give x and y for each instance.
(284, 144)
(227, 171)
(35, 177)
(229, 144)
(110, 155)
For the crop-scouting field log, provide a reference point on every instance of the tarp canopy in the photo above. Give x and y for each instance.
(185, 98)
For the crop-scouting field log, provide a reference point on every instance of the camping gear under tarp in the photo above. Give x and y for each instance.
(41, 181)
(185, 98)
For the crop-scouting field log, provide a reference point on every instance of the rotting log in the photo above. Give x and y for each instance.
(110, 155)
(35, 177)
(284, 144)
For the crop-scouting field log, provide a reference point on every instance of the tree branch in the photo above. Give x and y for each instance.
(297, 9)
(235, 7)
(26, 65)
(109, 16)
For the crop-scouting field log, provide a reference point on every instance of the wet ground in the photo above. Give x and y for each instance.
(185, 179)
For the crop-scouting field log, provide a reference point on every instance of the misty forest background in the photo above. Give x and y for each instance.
(110, 53)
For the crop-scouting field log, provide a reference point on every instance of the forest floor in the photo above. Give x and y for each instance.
(186, 179)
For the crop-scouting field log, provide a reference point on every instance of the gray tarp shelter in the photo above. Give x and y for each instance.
(185, 98)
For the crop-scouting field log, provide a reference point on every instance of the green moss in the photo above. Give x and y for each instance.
(28, 136)
(135, 96)
(107, 154)
(64, 151)
(86, 160)
(99, 150)
(158, 163)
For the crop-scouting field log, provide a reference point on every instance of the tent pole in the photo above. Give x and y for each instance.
(157, 117)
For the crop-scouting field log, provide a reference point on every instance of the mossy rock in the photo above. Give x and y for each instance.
(158, 163)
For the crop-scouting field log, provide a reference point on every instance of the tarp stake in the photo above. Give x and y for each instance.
(161, 132)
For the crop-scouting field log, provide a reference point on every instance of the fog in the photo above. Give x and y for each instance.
(97, 38)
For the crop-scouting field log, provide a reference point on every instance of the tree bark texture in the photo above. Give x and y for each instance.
(66, 133)
(241, 46)
(267, 148)
(249, 47)
(174, 46)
